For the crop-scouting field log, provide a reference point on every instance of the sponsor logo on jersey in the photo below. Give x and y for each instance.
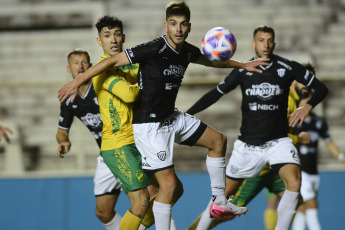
(170, 86)
(61, 119)
(264, 91)
(281, 72)
(255, 107)
(93, 120)
(175, 71)
(74, 106)
(162, 155)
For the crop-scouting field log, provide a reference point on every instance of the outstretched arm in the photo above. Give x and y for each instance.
(4, 133)
(62, 137)
(205, 101)
(249, 66)
(71, 88)
(334, 150)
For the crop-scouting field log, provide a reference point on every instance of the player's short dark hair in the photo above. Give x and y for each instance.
(177, 8)
(108, 22)
(265, 29)
(78, 51)
(309, 67)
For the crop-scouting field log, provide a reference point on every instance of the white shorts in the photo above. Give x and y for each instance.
(310, 186)
(155, 141)
(248, 160)
(104, 181)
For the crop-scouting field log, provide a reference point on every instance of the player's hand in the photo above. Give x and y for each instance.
(70, 88)
(304, 138)
(298, 116)
(251, 65)
(4, 133)
(63, 148)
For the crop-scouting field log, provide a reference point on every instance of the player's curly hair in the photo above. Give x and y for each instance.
(177, 8)
(108, 22)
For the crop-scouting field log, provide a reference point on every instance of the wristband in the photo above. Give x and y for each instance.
(341, 156)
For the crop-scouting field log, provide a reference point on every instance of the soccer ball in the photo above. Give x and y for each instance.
(218, 44)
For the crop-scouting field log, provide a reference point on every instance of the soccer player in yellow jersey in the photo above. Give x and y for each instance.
(116, 90)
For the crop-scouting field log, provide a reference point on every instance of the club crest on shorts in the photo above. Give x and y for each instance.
(233, 169)
(162, 155)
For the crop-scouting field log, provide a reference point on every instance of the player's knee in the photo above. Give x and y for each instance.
(293, 184)
(104, 215)
(171, 188)
(220, 143)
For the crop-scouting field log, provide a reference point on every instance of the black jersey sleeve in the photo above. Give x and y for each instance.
(140, 53)
(230, 82)
(66, 117)
(320, 93)
(305, 77)
(205, 101)
(196, 53)
(301, 74)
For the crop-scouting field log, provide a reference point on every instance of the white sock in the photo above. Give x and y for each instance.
(286, 209)
(205, 220)
(312, 218)
(162, 214)
(216, 170)
(172, 224)
(299, 221)
(114, 223)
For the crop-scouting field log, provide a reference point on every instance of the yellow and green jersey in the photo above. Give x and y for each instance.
(292, 104)
(116, 89)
